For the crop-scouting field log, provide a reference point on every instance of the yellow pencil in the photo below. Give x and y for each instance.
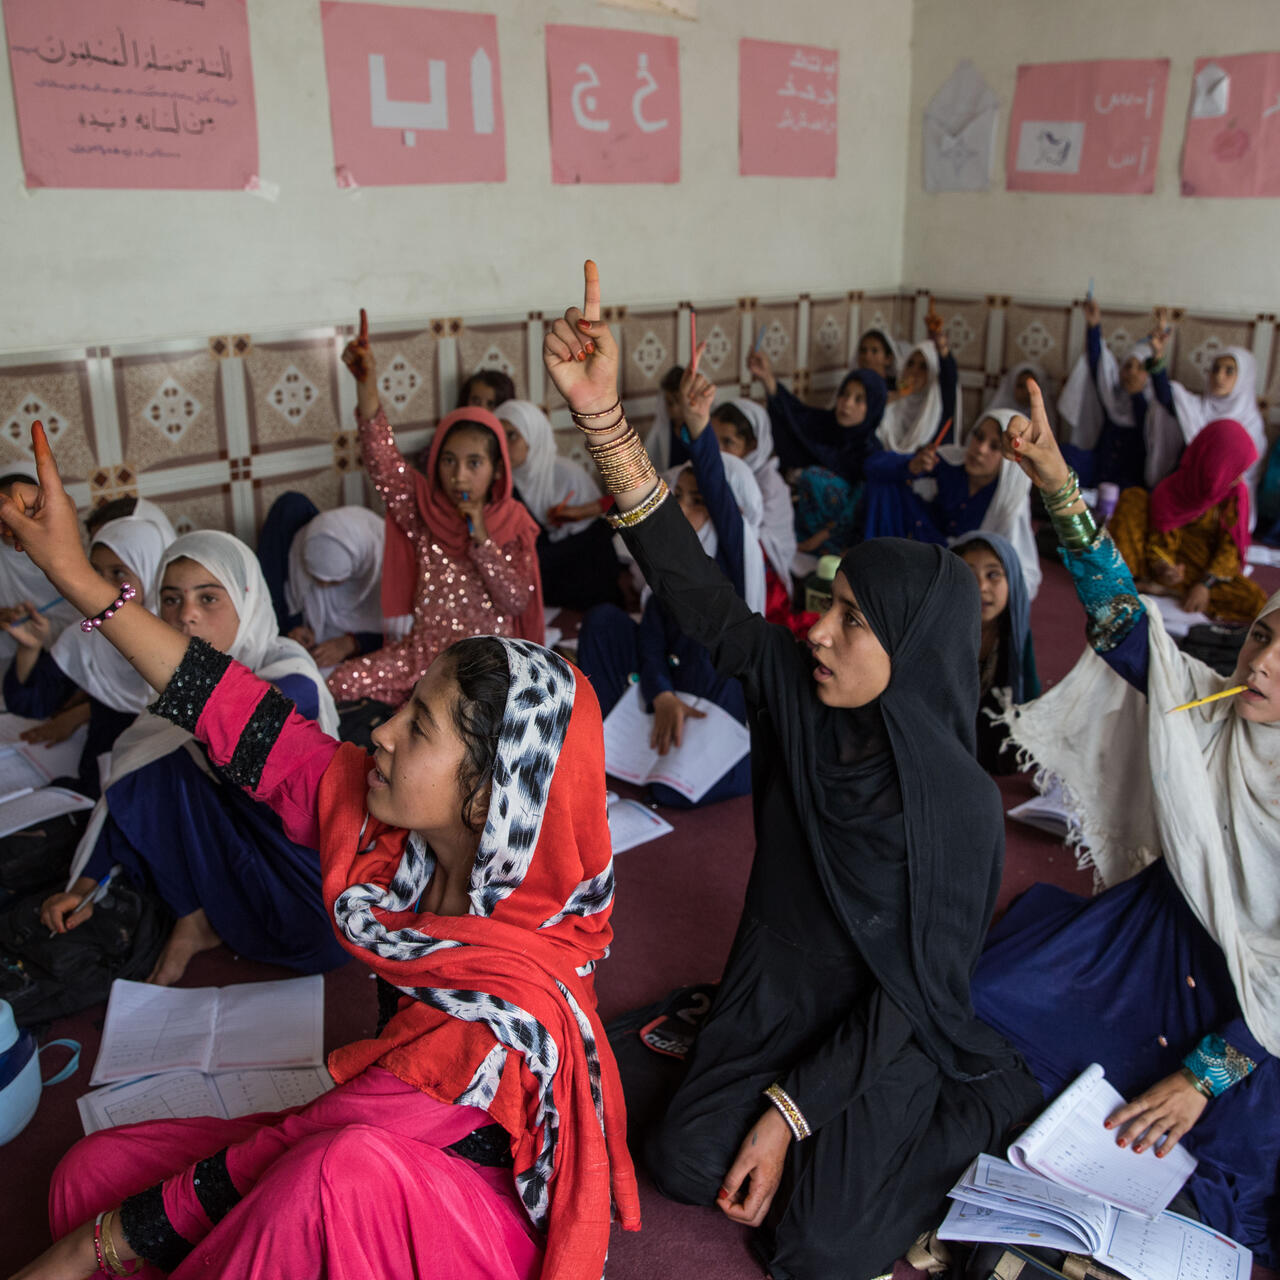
(1213, 697)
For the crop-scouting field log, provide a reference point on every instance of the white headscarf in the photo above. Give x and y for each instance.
(746, 493)
(1009, 513)
(96, 665)
(342, 547)
(910, 423)
(778, 525)
(545, 479)
(1006, 395)
(1200, 788)
(1085, 403)
(1241, 404)
(21, 580)
(257, 645)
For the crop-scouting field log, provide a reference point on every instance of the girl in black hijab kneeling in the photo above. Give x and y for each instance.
(841, 1082)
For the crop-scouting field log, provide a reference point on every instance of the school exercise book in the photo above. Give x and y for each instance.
(1066, 1185)
(152, 1029)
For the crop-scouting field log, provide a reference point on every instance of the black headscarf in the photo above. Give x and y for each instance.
(914, 881)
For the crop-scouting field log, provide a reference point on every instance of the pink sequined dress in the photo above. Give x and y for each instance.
(475, 589)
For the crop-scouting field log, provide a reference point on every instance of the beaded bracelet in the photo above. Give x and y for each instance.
(97, 1242)
(792, 1114)
(626, 519)
(127, 593)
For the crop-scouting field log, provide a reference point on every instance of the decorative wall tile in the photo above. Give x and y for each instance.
(828, 335)
(648, 349)
(58, 395)
(964, 320)
(890, 312)
(207, 508)
(323, 487)
(292, 393)
(170, 408)
(1198, 340)
(406, 362)
(1038, 334)
(720, 328)
(779, 344)
(495, 346)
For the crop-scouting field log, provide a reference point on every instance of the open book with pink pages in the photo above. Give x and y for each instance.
(1067, 1185)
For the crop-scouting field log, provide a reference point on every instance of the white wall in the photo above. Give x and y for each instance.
(1220, 255)
(111, 266)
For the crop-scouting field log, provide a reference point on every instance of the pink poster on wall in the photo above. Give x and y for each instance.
(1232, 146)
(787, 110)
(133, 93)
(1087, 126)
(414, 95)
(615, 105)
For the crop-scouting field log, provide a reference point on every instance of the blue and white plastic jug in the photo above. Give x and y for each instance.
(20, 1082)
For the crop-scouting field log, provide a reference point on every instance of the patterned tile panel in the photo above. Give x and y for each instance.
(406, 361)
(779, 321)
(1198, 340)
(495, 346)
(828, 335)
(170, 408)
(58, 395)
(207, 508)
(324, 488)
(292, 393)
(720, 328)
(1039, 333)
(965, 324)
(649, 349)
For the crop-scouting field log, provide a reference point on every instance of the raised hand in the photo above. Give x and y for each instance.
(760, 366)
(357, 355)
(1034, 447)
(31, 629)
(924, 461)
(1092, 312)
(580, 354)
(696, 396)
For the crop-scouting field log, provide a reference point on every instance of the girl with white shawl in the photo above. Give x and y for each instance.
(1171, 978)
(218, 859)
(754, 445)
(1012, 393)
(721, 500)
(335, 583)
(1123, 428)
(39, 683)
(576, 558)
(926, 398)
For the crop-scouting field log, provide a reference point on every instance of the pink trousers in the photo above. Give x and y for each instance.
(353, 1185)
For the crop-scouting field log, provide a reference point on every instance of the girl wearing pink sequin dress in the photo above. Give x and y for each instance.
(460, 555)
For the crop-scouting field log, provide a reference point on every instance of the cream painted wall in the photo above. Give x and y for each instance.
(1219, 255)
(110, 266)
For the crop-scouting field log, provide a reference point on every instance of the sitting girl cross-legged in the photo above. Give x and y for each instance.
(468, 863)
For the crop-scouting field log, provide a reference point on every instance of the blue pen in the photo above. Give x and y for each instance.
(466, 497)
(96, 894)
(764, 328)
(53, 604)
(1089, 295)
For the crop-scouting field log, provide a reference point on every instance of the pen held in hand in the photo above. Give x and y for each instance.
(1213, 697)
(96, 894)
(942, 435)
(466, 497)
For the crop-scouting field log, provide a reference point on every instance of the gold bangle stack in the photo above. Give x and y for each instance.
(581, 420)
(626, 519)
(109, 1251)
(792, 1114)
(623, 463)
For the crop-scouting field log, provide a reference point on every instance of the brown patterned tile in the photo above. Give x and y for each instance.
(206, 508)
(720, 329)
(57, 395)
(648, 341)
(323, 487)
(779, 321)
(292, 393)
(170, 408)
(1037, 333)
(891, 312)
(964, 321)
(407, 382)
(828, 335)
(1199, 339)
(495, 346)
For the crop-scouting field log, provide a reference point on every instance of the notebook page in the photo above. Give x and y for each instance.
(631, 823)
(1078, 1151)
(245, 1093)
(1172, 1247)
(151, 1029)
(173, 1096)
(965, 1221)
(39, 806)
(270, 1024)
(18, 775)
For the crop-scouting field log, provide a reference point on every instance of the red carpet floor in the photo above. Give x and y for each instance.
(678, 900)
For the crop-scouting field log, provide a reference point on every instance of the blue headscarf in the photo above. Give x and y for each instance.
(1024, 683)
(844, 449)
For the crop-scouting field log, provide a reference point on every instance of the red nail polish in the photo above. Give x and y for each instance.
(591, 346)
(584, 324)
(581, 356)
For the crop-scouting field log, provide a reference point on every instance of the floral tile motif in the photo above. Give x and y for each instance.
(648, 349)
(170, 408)
(1198, 341)
(324, 488)
(58, 396)
(406, 364)
(779, 343)
(292, 393)
(964, 321)
(208, 508)
(720, 328)
(496, 346)
(890, 312)
(106, 484)
(1038, 334)
(828, 336)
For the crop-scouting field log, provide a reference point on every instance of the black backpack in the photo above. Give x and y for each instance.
(46, 977)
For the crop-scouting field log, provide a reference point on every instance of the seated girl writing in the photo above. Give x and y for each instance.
(1189, 537)
(841, 1050)
(973, 488)
(460, 554)
(219, 860)
(1169, 978)
(106, 691)
(720, 499)
(468, 863)
(1006, 656)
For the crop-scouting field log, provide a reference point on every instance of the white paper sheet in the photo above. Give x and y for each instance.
(960, 124)
(39, 806)
(279, 1024)
(710, 748)
(632, 823)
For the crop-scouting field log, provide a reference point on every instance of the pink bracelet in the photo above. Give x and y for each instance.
(127, 593)
(97, 1243)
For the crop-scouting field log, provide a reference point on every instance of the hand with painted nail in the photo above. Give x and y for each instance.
(756, 1173)
(358, 356)
(1034, 447)
(1160, 1117)
(580, 354)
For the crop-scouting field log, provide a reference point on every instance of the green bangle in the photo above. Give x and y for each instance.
(1073, 482)
(1076, 532)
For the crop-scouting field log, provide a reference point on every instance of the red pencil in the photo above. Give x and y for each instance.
(942, 435)
(693, 338)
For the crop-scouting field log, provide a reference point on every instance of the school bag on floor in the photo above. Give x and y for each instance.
(45, 977)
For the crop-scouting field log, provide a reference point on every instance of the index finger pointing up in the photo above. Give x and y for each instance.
(364, 327)
(591, 298)
(46, 468)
